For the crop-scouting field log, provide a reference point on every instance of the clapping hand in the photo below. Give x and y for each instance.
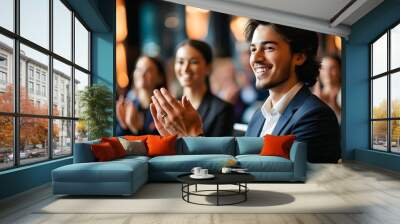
(133, 118)
(173, 117)
(120, 112)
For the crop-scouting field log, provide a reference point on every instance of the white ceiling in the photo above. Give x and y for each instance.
(325, 16)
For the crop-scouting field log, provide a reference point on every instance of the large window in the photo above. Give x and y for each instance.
(44, 64)
(385, 93)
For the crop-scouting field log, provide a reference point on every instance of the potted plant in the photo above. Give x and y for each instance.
(96, 104)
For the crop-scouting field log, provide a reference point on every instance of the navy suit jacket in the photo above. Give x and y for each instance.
(311, 121)
(217, 116)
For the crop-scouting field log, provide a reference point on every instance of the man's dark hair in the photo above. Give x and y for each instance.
(300, 41)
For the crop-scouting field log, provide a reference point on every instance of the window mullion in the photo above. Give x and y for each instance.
(50, 81)
(389, 114)
(16, 84)
(73, 82)
(371, 140)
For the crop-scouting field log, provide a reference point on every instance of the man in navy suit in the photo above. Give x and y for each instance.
(283, 62)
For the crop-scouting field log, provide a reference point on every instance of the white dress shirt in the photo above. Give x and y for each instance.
(272, 113)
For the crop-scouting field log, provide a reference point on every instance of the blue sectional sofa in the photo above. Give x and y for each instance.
(125, 176)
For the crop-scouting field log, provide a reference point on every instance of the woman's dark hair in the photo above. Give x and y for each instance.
(160, 70)
(203, 48)
(300, 41)
(200, 46)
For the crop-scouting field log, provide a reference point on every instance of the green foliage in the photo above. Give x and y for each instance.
(96, 103)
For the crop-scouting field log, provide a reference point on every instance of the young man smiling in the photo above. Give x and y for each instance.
(283, 62)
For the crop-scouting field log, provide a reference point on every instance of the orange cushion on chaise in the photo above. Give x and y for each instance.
(103, 152)
(116, 145)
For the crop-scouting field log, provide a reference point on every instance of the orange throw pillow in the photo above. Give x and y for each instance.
(103, 151)
(277, 145)
(135, 137)
(116, 145)
(161, 145)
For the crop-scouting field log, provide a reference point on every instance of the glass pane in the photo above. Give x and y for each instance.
(379, 98)
(35, 21)
(34, 97)
(395, 47)
(6, 74)
(33, 139)
(7, 14)
(81, 45)
(379, 135)
(62, 138)
(395, 95)
(6, 142)
(379, 55)
(62, 89)
(81, 131)
(81, 81)
(62, 29)
(395, 136)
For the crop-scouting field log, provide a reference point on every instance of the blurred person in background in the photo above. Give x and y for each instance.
(133, 113)
(193, 62)
(223, 81)
(328, 86)
(224, 84)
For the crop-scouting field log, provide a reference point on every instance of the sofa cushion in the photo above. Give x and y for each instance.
(131, 158)
(135, 137)
(206, 145)
(277, 145)
(185, 163)
(249, 145)
(135, 147)
(161, 145)
(257, 163)
(83, 153)
(112, 171)
(116, 145)
(103, 152)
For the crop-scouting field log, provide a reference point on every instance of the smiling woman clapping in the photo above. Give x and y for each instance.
(209, 115)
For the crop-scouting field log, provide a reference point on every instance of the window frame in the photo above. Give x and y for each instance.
(16, 115)
(388, 74)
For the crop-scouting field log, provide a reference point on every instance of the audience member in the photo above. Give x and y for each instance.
(133, 113)
(328, 86)
(193, 62)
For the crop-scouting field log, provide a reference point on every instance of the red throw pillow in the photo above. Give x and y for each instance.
(161, 145)
(103, 151)
(136, 137)
(277, 145)
(116, 145)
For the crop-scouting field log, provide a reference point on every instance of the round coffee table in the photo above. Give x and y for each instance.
(238, 179)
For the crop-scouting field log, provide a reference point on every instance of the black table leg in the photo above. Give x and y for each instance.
(245, 193)
(188, 189)
(217, 194)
